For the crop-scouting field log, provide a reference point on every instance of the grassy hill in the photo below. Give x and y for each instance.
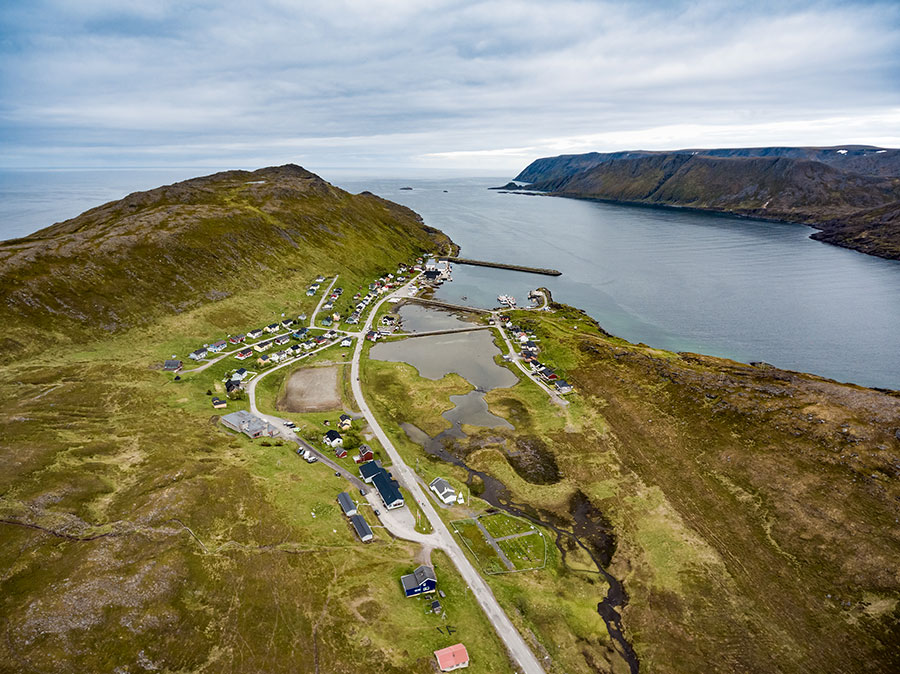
(852, 197)
(750, 513)
(175, 248)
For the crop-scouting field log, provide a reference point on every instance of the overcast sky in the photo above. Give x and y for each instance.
(486, 85)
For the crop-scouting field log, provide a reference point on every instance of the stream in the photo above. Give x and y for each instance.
(585, 528)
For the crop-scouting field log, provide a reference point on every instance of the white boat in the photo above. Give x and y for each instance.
(507, 300)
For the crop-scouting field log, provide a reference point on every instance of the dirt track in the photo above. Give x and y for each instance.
(312, 389)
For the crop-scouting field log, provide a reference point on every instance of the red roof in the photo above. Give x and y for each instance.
(452, 657)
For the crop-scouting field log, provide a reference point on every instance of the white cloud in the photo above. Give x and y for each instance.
(437, 83)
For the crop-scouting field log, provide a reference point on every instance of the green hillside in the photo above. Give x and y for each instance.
(175, 248)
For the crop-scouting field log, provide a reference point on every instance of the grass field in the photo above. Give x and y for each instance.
(474, 540)
(525, 552)
(503, 524)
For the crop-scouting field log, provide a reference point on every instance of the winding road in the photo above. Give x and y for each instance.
(400, 522)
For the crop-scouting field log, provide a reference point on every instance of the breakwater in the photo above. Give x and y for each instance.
(501, 265)
(445, 305)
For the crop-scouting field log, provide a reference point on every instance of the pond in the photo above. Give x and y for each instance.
(470, 355)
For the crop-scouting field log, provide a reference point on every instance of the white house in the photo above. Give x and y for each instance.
(443, 490)
(333, 439)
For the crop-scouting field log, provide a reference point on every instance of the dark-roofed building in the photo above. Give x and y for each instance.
(347, 504)
(173, 365)
(420, 581)
(563, 386)
(362, 528)
(364, 454)
(388, 490)
(369, 470)
(333, 439)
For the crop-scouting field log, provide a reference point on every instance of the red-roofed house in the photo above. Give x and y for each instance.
(452, 657)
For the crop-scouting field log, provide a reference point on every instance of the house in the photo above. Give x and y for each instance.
(452, 657)
(237, 339)
(431, 275)
(264, 359)
(346, 421)
(271, 327)
(372, 336)
(347, 341)
(328, 305)
(308, 344)
(365, 454)
(199, 354)
(295, 350)
(319, 278)
(248, 424)
(347, 504)
(444, 491)
(218, 403)
(215, 347)
(301, 318)
(530, 346)
(333, 439)
(173, 365)
(240, 374)
(436, 607)
(340, 452)
(327, 321)
(310, 292)
(300, 334)
(287, 322)
(388, 490)
(262, 346)
(255, 334)
(232, 386)
(362, 528)
(283, 339)
(548, 374)
(368, 471)
(278, 356)
(420, 581)
(563, 387)
(244, 354)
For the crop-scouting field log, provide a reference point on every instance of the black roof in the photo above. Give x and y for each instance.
(362, 527)
(387, 488)
(332, 435)
(370, 469)
(347, 504)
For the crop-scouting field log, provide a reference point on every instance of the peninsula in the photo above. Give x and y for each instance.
(851, 194)
(206, 465)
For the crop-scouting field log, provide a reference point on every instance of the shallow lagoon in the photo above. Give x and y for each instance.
(470, 355)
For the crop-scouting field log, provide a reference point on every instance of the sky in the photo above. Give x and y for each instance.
(433, 84)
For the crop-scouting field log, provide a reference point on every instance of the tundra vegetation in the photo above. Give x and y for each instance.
(751, 513)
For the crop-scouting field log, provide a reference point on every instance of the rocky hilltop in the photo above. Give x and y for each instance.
(180, 246)
(851, 194)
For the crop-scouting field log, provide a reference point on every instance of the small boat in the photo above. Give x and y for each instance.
(507, 300)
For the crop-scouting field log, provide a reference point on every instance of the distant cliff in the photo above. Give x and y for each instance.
(851, 194)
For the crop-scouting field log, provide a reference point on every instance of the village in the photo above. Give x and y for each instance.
(353, 445)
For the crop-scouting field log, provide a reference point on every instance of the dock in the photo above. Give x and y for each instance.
(501, 265)
(444, 305)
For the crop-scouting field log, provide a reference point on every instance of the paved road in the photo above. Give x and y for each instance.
(312, 317)
(441, 535)
(514, 358)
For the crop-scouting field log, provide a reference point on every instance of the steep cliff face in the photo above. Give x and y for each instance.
(176, 247)
(806, 185)
(863, 159)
